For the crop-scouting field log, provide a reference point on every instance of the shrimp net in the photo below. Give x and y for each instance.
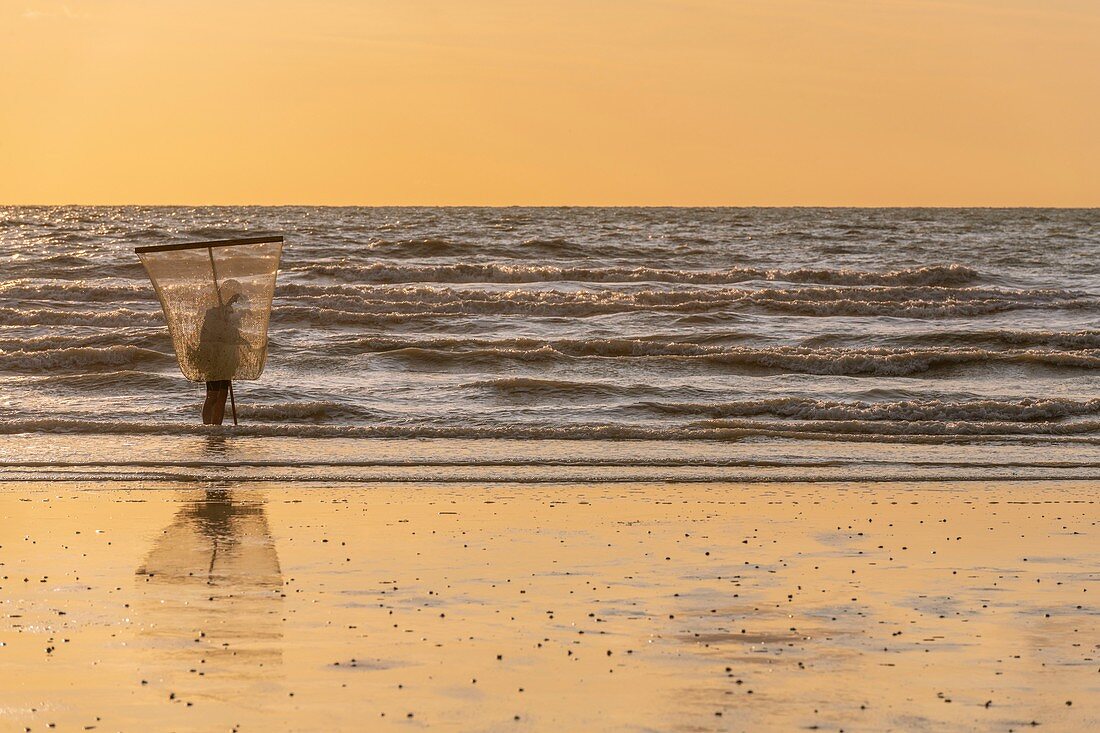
(217, 301)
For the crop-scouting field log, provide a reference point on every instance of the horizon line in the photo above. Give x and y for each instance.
(551, 206)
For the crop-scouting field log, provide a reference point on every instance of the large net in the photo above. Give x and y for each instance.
(217, 301)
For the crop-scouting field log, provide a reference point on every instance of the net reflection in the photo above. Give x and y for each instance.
(211, 607)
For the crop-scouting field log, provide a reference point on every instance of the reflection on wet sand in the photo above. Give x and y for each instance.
(603, 607)
(212, 589)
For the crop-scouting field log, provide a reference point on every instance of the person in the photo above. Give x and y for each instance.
(218, 350)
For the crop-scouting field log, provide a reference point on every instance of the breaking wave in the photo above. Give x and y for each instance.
(316, 411)
(80, 358)
(386, 273)
(63, 317)
(873, 361)
(103, 339)
(929, 411)
(932, 432)
(340, 304)
(94, 290)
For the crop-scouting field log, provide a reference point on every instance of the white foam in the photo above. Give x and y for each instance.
(930, 432)
(945, 275)
(79, 357)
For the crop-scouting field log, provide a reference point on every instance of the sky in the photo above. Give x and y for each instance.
(551, 102)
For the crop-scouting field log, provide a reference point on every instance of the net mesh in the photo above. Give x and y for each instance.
(217, 301)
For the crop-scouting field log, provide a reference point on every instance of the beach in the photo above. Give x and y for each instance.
(625, 469)
(713, 606)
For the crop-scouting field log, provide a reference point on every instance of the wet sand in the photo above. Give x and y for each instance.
(474, 607)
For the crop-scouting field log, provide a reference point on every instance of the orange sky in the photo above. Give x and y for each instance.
(679, 102)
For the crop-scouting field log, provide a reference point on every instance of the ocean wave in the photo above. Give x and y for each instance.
(710, 343)
(474, 244)
(60, 317)
(104, 339)
(388, 273)
(903, 428)
(896, 362)
(315, 316)
(344, 306)
(701, 397)
(517, 386)
(927, 410)
(932, 432)
(474, 460)
(80, 357)
(364, 304)
(390, 306)
(113, 379)
(912, 302)
(79, 290)
(466, 245)
(872, 361)
(73, 268)
(1002, 338)
(316, 410)
(569, 347)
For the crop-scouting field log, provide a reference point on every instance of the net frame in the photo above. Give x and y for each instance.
(182, 339)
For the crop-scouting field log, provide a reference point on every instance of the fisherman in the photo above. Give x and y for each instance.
(218, 325)
(218, 352)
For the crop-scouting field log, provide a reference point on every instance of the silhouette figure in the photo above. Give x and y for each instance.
(218, 352)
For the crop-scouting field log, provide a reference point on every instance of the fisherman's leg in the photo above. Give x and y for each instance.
(213, 410)
(208, 403)
(220, 396)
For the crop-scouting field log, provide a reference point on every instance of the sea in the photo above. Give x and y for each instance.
(569, 345)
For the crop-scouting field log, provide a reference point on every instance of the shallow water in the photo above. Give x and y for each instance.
(758, 329)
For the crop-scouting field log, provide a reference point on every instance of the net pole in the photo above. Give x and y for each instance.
(214, 270)
(232, 402)
(221, 304)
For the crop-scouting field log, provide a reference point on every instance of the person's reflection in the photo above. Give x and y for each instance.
(216, 446)
(212, 593)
